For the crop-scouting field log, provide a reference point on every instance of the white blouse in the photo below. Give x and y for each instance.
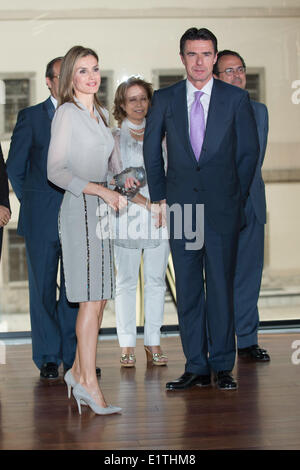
(134, 225)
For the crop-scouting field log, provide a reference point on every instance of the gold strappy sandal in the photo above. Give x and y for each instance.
(128, 360)
(157, 359)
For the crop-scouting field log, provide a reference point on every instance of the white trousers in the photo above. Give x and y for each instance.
(127, 263)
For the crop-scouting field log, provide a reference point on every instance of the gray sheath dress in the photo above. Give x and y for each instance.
(79, 152)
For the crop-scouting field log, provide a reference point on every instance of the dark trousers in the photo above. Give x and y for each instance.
(205, 310)
(247, 282)
(52, 321)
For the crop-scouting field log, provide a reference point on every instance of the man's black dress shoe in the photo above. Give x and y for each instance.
(67, 367)
(188, 380)
(49, 371)
(225, 381)
(255, 353)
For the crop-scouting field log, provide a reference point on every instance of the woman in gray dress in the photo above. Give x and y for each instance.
(78, 161)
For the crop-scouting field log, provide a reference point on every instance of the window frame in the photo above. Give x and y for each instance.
(31, 76)
(108, 74)
(157, 73)
(260, 71)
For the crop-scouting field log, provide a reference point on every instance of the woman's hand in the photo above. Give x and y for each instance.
(131, 183)
(113, 199)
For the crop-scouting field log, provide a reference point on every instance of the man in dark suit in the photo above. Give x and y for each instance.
(4, 198)
(231, 68)
(52, 322)
(212, 148)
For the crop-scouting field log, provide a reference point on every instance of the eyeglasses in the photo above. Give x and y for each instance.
(230, 71)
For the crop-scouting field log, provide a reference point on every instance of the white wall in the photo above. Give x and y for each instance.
(129, 46)
(16, 5)
(283, 226)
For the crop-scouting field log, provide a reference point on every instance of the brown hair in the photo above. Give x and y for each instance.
(120, 97)
(50, 65)
(66, 91)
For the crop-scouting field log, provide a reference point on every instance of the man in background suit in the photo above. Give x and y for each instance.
(212, 148)
(52, 322)
(4, 198)
(231, 68)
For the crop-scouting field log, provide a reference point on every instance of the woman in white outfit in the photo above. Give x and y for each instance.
(138, 233)
(78, 161)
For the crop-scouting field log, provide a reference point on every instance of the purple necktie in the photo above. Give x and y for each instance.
(197, 124)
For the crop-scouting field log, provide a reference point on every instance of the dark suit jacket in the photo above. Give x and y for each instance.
(257, 189)
(222, 177)
(27, 170)
(4, 190)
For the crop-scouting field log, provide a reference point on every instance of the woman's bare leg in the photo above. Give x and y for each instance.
(89, 321)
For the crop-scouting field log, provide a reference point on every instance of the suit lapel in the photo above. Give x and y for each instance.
(180, 116)
(49, 108)
(215, 121)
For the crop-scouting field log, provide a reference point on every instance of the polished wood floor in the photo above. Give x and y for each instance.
(264, 413)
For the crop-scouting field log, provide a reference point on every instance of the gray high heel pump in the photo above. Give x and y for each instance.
(70, 381)
(80, 394)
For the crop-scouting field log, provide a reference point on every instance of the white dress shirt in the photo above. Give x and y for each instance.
(54, 101)
(205, 98)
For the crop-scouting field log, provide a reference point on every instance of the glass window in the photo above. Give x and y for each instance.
(253, 87)
(17, 96)
(105, 93)
(162, 78)
(16, 257)
(16, 93)
(168, 80)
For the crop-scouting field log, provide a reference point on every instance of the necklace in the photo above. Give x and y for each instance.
(137, 133)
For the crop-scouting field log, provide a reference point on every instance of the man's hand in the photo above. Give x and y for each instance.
(159, 212)
(4, 216)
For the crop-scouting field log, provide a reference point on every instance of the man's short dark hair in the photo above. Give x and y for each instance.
(193, 34)
(50, 65)
(224, 53)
